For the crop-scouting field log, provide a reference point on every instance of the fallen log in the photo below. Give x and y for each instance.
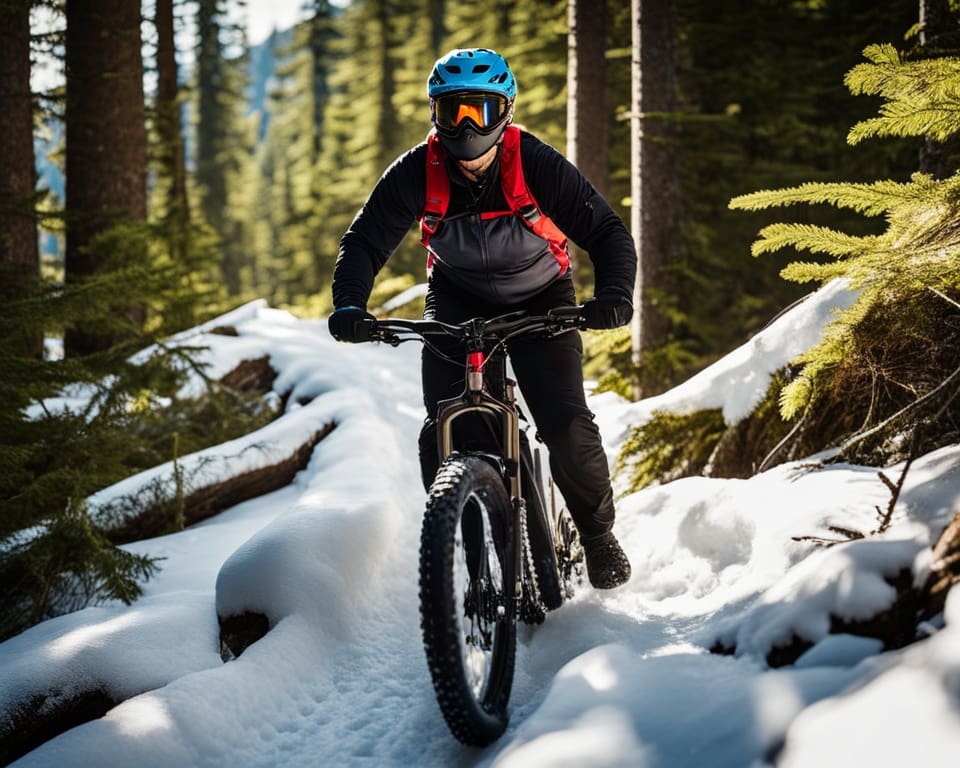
(901, 623)
(255, 375)
(944, 570)
(237, 633)
(165, 512)
(25, 727)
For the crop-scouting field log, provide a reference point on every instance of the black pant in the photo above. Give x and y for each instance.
(550, 376)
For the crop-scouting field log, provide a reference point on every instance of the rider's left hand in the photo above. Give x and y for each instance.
(606, 311)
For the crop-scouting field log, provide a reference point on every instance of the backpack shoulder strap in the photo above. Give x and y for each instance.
(437, 198)
(511, 172)
(518, 195)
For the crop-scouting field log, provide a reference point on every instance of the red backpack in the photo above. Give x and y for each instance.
(514, 188)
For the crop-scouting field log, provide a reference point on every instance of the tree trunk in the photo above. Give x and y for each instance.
(939, 36)
(587, 118)
(172, 159)
(19, 253)
(389, 133)
(653, 186)
(106, 155)
(438, 29)
(321, 35)
(214, 119)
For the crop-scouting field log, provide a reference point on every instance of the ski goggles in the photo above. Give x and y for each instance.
(484, 109)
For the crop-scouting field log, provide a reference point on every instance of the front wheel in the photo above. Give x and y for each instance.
(466, 597)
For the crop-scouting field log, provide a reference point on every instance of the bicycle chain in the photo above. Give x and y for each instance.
(532, 610)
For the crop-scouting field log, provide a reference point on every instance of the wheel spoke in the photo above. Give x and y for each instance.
(478, 590)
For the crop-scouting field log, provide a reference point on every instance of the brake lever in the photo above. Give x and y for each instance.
(566, 318)
(368, 330)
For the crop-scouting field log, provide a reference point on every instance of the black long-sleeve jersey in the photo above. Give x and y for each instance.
(560, 190)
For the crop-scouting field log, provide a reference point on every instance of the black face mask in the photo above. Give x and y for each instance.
(467, 143)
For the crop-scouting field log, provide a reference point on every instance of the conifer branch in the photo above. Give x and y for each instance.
(872, 199)
(812, 238)
(922, 97)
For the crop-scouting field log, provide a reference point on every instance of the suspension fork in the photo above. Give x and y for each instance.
(476, 398)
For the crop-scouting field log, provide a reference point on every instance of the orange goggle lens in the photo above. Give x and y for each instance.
(484, 110)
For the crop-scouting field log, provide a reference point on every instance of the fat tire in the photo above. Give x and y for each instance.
(459, 483)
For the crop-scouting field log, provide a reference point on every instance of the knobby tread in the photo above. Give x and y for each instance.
(470, 721)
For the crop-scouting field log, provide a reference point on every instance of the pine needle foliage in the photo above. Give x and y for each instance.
(654, 454)
(72, 426)
(922, 97)
(912, 264)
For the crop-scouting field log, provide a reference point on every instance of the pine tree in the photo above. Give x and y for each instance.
(170, 140)
(288, 156)
(74, 425)
(759, 103)
(365, 124)
(182, 251)
(907, 277)
(654, 188)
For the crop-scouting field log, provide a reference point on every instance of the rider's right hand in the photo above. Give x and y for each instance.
(350, 324)
(606, 311)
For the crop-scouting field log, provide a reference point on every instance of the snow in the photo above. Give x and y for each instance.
(738, 382)
(619, 678)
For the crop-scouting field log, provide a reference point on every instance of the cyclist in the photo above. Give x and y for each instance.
(489, 254)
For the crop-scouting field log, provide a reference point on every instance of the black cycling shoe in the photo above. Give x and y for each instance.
(607, 563)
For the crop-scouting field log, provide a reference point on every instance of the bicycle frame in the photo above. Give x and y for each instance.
(481, 504)
(477, 397)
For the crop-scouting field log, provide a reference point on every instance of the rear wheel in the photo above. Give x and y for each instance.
(542, 535)
(466, 597)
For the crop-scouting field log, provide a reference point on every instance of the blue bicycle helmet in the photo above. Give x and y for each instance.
(472, 92)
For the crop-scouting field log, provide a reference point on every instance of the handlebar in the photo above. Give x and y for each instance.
(478, 331)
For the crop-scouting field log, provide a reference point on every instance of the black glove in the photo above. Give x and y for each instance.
(606, 311)
(347, 324)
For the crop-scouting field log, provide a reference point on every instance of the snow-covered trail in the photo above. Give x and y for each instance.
(350, 685)
(356, 678)
(611, 679)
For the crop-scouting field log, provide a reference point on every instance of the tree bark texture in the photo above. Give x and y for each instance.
(106, 157)
(587, 116)
(939, 35)
(19, 253)
(653, 185)
(168, 120)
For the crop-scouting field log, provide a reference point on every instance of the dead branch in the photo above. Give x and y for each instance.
(943, 296)
(848, 534)
(886, 423)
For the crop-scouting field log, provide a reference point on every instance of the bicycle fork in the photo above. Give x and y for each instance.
(476, 399)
